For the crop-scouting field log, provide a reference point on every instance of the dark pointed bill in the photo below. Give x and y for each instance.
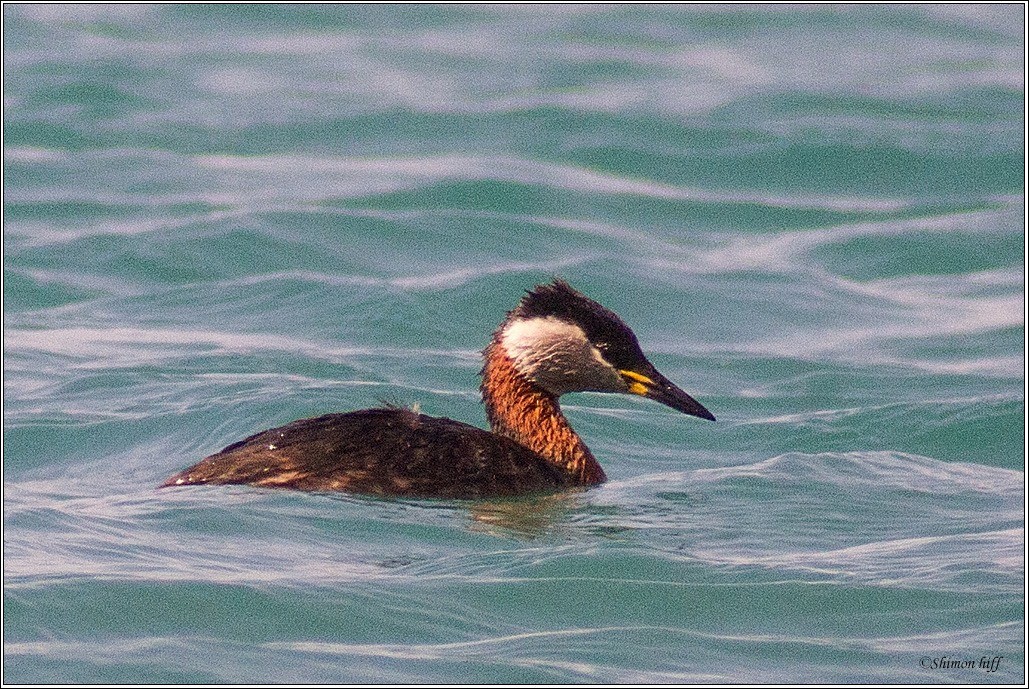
(658, 388)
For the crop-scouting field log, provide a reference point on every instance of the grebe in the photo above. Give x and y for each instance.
(556, 340)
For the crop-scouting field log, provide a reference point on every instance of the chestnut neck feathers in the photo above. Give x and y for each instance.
(523, 411)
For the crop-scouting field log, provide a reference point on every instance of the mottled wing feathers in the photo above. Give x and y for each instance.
(379, 451)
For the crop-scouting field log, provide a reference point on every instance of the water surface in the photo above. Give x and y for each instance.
(222, 218)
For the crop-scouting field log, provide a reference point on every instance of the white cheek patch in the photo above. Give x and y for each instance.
(532, 340)
(558, 356)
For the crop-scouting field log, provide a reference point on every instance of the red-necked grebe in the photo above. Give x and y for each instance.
(555, 341)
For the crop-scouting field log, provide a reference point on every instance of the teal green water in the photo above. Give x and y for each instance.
(222, 218)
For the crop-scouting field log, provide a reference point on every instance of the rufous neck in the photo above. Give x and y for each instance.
(522, 411)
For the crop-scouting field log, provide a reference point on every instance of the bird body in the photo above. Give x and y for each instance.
(555, 341)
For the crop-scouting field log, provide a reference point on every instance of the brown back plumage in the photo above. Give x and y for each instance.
(385, 451)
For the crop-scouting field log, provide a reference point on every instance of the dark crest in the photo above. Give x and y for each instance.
(605, 330)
